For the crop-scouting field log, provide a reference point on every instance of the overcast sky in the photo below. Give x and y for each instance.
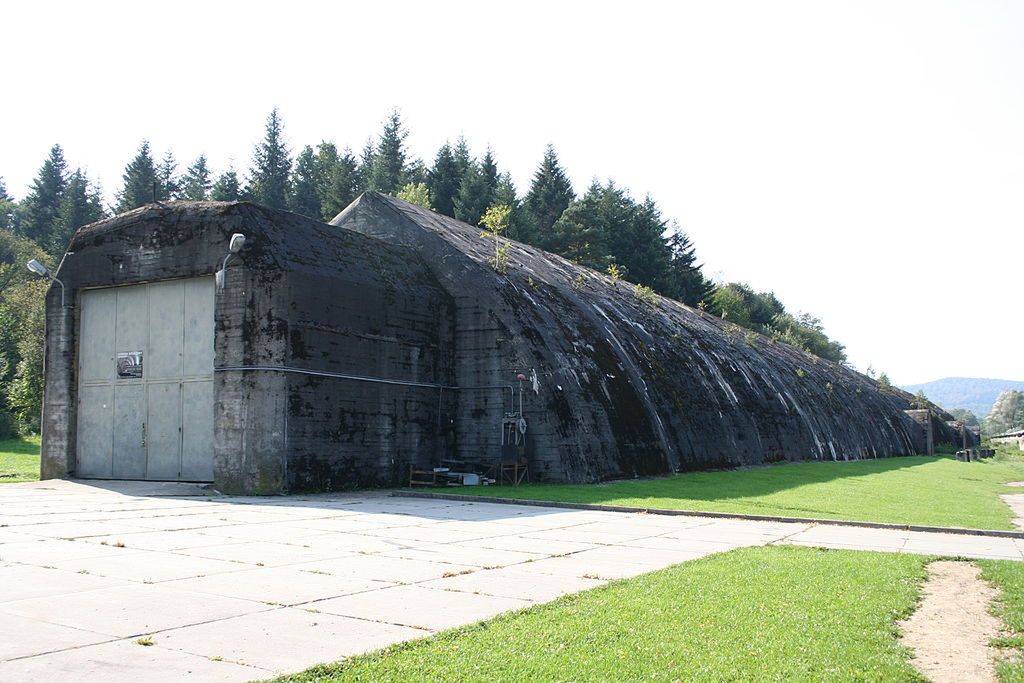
(863, 160)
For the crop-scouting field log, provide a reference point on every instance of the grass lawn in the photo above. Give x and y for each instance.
(937, 491)
(775, 613)
(1009, 578)
(19, 459)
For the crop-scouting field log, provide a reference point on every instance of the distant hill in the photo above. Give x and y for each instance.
(973, 393)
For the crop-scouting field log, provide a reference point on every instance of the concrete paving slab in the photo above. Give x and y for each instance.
(514, 582)
(81, 529)
(273, 531)
(148, 566)
(22, 581)
(45, 637)
(393, 569)
(161, 540)
(419, 607)
(378, 570)
(286, 640)
(534, 545)
(468, 554)
(125, 660)
(130, 610)
(51, 551)
(281, 585)
(263, 553)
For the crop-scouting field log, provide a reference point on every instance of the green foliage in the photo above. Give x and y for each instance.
(415, 193)
(342, 183)
(8, 207)
(444, 180)
(25, 391)
(140, 182)
(41, 208)
(965, 416)
(168, 179)
(1007, 413)
(271, 166)
(387, 167)
(645, 294)
(907, 490)
(196, 183)
(228, 188)
(775, 613)
(764, 313)
(19, 458)
(884, 382)
(304, 198)
(81, 204)
(614, 272)
(476, 192)
(495, 225)
(550, 194)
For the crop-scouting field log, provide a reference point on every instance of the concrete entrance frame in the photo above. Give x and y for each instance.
(297, 288)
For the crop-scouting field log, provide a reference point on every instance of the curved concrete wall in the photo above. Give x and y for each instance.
(630, 386)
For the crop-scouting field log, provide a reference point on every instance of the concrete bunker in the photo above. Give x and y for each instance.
(337, 356)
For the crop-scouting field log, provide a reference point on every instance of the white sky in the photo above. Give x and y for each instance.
(865, 160)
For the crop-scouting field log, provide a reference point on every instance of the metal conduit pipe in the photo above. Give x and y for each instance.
(363, 378)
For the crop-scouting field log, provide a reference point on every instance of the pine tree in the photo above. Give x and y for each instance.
(195, 185)
(444, 180)
(168, 182)
(140, 180)
(505, 195)
(326, 161)
(344, 185)
(8, 208)
(304, 198)
(387, 173)
(227, 188)
(489, 170)
(476, 191)
(580, 233)
(474, 195)
(271, 166)
(685, 282)
(366, 161)
(81, 204)
(550, 194)
(463, 156)
(42, 205)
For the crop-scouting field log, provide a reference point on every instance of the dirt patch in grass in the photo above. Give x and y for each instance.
(951, 629)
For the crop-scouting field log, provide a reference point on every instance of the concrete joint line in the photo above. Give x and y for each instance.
(998, 533)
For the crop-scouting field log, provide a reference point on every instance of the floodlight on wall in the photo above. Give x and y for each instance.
(234, 246)
(42, 271)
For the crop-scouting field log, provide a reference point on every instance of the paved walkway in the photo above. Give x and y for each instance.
(242, 588)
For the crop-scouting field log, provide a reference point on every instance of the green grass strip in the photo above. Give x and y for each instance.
(929, 491)
(19, 459)
(772, 613)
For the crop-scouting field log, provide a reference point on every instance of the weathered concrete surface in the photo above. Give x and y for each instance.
(300, 296)
(630, 386)
(241, 588)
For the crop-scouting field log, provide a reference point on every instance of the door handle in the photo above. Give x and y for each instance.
(143, 434)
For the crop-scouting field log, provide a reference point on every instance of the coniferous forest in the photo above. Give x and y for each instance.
(605, 228)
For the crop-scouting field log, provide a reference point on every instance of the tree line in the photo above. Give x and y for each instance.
(605, 228)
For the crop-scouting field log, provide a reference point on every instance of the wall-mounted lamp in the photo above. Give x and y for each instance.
(234, 246)
(42, 271)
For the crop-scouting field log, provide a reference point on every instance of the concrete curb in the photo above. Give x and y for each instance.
(998, 533)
